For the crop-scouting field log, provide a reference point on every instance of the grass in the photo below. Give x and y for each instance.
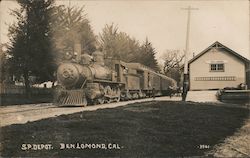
(150, 129)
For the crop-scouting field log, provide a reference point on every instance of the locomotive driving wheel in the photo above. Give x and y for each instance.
(140, 94)
(135, 96)
(118, 93)
(101, 99)
(108, 92)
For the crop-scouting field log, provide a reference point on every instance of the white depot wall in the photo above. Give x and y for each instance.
(233, 67)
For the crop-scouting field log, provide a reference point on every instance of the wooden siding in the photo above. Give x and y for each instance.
(202, 78)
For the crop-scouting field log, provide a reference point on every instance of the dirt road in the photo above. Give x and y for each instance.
(20, 114)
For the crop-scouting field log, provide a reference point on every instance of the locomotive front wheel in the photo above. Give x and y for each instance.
(100, 100)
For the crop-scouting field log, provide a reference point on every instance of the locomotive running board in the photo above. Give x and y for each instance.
(71, 98)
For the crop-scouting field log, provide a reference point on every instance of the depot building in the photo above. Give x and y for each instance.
(218, 67)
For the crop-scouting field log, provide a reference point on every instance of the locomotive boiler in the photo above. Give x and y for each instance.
(94, 80)
(73, 75)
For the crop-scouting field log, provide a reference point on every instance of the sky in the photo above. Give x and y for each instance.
(164, 22)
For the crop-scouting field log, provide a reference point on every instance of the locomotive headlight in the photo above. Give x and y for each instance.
(68, 74)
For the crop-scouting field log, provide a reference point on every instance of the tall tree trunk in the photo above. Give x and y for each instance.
(27, 84)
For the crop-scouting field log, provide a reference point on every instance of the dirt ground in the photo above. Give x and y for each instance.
(148, 129)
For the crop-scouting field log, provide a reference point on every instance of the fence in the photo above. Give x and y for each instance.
(12, 94)
(8, 89)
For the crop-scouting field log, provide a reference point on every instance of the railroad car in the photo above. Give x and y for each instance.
(94, 80)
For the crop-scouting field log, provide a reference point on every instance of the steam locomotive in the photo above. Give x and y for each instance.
(94, 80)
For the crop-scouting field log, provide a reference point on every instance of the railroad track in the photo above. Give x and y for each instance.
(24, 108)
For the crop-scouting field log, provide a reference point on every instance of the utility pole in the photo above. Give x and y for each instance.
(185, 79)
(69, 3)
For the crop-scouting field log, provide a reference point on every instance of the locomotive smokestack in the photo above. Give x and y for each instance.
(78, 50)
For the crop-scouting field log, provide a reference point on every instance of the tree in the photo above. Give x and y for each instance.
(107, 40)
(119, 45)
(173, 59)
(147, 56)
(31, 48)
(3, 65)
(71, 26)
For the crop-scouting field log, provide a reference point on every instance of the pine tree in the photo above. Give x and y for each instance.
(71, 26)
(31, 48)
(147, 55)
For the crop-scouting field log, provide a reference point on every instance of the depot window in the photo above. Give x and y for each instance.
(216, 67)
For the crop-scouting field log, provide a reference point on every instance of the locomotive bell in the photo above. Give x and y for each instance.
(98, 57)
